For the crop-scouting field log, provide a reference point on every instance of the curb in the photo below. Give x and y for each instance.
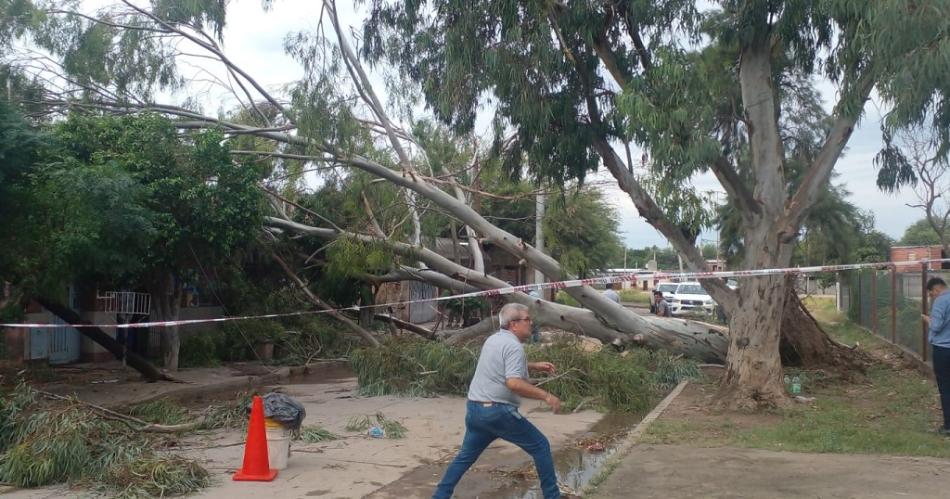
(631, 439)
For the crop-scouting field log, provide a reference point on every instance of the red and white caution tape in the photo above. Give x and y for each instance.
(633, 277)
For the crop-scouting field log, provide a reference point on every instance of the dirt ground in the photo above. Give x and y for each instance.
(357, 465)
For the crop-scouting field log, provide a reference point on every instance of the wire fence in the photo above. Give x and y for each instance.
(889, 304)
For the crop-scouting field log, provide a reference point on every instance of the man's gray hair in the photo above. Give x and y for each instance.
(510, 312)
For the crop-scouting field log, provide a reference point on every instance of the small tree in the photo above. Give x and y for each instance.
(127, 201)
(916, 158)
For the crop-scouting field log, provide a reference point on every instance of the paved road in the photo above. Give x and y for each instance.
(666, 471)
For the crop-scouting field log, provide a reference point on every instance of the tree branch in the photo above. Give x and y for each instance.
(819, 173)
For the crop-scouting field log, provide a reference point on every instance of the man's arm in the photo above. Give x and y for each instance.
(525, 389)
(546, 367)
(939, 316)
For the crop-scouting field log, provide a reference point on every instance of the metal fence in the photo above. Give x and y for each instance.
(890, 304)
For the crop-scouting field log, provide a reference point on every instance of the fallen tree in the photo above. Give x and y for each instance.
(740, 139)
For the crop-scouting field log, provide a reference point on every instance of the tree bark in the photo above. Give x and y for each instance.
(166, 295)
(753, 367)
(753, 376)
(102, 339)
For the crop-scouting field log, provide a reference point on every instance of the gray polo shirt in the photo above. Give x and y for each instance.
(502, 357)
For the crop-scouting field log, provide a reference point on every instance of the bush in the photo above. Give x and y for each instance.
(201, 349)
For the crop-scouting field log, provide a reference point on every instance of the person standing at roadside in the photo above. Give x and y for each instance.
(662, 306)
(501, 379)
(939, 324)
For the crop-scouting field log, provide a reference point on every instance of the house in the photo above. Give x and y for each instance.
(913, 253)
(64, 344)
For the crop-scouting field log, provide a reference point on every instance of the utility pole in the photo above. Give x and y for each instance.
(539, 230)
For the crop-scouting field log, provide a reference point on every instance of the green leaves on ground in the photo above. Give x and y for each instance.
(603, 379)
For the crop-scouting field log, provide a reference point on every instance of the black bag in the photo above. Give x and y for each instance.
(283, 409)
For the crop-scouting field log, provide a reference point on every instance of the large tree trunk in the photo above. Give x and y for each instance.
(99, 336)
(166, 295)
(753, 368)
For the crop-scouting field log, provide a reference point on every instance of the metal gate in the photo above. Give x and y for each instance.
(58, 345)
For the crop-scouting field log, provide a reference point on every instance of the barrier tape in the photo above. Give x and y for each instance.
(557, 285)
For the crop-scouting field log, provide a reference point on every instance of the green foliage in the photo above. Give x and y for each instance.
(565, 299)
(358, 423)
(391, 428)
(161, 411)
(231, 415)
(920, 233)
(123, 199)
(603, 379)
(634, 296)
(200, 350)
(580, 230)
(155, 476)
(43, 445)
(315, 433)
(415, 368)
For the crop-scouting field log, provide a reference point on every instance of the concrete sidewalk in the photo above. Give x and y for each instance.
(665, 471)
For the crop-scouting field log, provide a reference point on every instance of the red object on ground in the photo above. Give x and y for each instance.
(256, 462)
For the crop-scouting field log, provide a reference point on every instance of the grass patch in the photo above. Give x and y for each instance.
(43, 444)
(893, 412)
(604, 379)
(634, 296)
(314, 434)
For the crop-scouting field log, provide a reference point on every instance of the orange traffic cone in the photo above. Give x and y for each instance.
(256, 462)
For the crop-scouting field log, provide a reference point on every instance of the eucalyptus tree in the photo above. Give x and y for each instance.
(703, 92)
(570, 83)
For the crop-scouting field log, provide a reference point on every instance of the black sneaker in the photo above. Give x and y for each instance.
(943, 431)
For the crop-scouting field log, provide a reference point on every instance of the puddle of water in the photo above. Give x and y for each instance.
(576, 467)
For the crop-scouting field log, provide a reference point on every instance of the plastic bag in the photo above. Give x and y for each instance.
(283, 409)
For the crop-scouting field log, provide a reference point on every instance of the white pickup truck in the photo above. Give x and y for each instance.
(687, 298)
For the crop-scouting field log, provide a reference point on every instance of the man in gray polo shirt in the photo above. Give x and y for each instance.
(501, 379)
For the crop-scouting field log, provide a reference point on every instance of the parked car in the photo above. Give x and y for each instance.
(690, 298)
(667, 288)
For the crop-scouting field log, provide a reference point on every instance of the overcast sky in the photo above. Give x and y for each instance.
(254, 39)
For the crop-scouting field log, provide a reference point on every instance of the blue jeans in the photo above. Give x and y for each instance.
(482, 426)
(941, 362)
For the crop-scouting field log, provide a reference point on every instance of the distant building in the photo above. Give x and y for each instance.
(913, 253)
